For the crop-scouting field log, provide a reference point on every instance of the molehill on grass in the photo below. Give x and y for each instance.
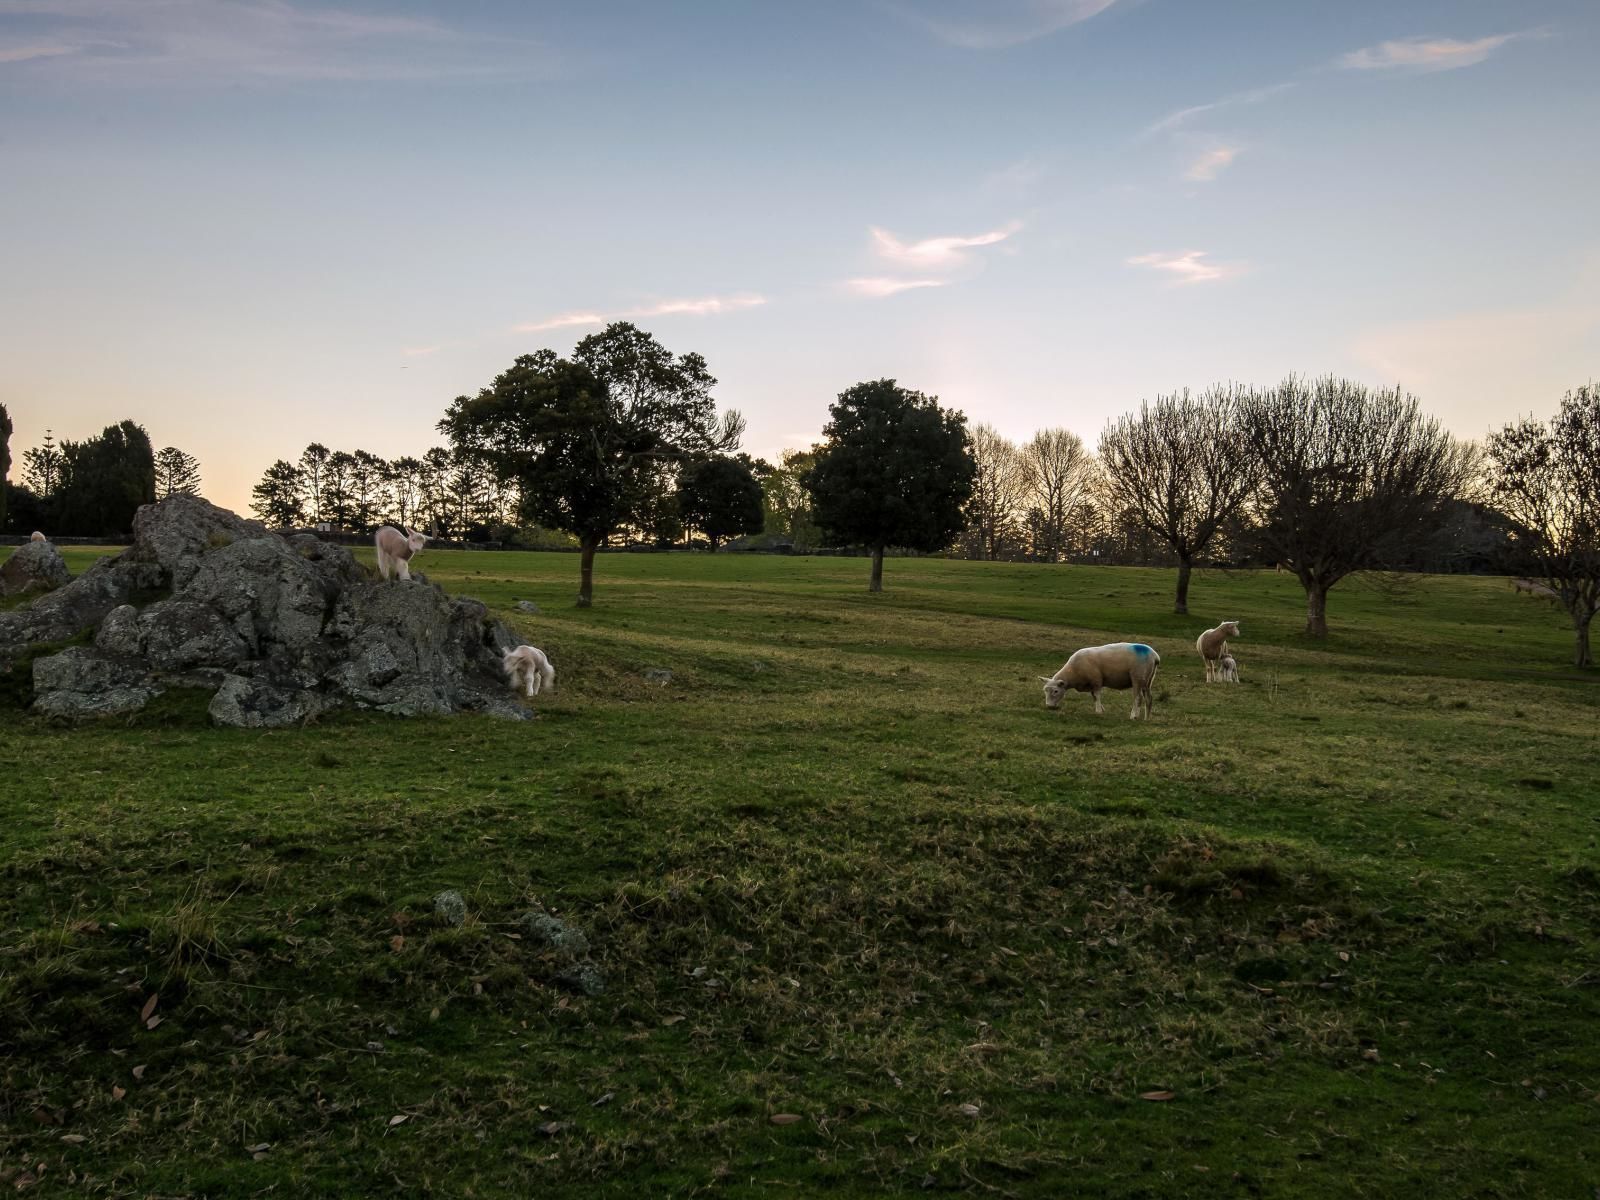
(278, 629)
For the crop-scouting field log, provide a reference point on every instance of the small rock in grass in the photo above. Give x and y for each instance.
(658, 675)
(553, 932)
(527, 606)
(450, 906)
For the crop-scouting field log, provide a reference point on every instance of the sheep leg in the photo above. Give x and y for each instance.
(402, 570)
(1098, 707)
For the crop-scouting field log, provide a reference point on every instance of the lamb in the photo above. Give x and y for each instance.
(1213, 644)
(529, 668)
(396, 549)
(1094, 668)
(38, 537)
(1228, 669)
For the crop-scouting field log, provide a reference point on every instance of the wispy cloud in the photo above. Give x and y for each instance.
(878, 286)
(1188, 267)
(1427, 53)
(420, 351)
(702, 307)
(937, 252)
(1211, 163)
(262, 40)
(1183, 116)
(996, 24)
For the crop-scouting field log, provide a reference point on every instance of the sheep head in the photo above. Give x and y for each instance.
(414, 539)
(1054, 690)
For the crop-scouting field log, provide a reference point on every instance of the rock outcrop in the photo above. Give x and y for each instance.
(279, 629)
(33, 567)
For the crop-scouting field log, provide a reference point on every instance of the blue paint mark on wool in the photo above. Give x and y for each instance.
(1141, 649)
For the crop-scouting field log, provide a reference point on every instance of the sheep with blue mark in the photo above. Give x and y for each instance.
(1120, 665)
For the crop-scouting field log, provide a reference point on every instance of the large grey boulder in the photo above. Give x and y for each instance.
(33, 567)
(283, 629)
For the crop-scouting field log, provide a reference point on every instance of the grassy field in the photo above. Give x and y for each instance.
(1332, 932)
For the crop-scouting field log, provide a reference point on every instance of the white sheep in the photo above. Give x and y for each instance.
(528, 667)
(38, 537)
(396, 549)
(1534, 588)
(1094, 668)
(1228, 669)
(1213, 644)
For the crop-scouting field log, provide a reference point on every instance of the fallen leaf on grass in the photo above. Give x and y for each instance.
(138, 1072)
(399, 1119)
(149, 1007)
(969, 1110)
(672, 1020)
(1155, 1095)
(153, 1022)
(117, 1093)
(606, 1099)
(551, 1128)
(982, 1048)
(397, 943)
(785, 1118)
(258, 1149)
(73, 1138)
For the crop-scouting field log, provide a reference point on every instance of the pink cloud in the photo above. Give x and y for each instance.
(1211, 164)
(1187, 267)
(1426, 54)
(705, 306)
(878, 287)
(935, 252)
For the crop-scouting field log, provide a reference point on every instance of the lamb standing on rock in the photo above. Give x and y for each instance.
(1094, 668)
(1213, 644)
(38, 537)
(528, 667)
(396, 549)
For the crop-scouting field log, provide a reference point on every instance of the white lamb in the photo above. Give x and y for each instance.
(1228, 669)
(1094, 668)
(528, 667)
(38, 537)
(1213, 644)
(396, 549)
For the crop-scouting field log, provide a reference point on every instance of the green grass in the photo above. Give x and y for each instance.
(844, 866)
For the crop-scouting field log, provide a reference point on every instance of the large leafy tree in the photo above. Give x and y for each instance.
(786, 500)
(1348, 479)
(104, 480)
(279, 499)
(1546, 478)
(1175, 467)
(584, 438)
(721, 497)
(895, 470)
(5, 460)
(177, 473)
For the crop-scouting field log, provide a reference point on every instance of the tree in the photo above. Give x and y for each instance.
(338, 498)
(177, 473)
(41, 467)
(313, 465)
(103, 481)
(434, 499)
(5, 460)
(721, 498)
(786, 500)
(1347, 479)
(1175, 466)
(1546, 478)
(404, 483)
(582, 438)
(1058, 473)
(278, 498)
(997, 493)
(896, 470)
(366, 475)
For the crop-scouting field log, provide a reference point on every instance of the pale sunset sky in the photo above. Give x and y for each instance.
(252, 224)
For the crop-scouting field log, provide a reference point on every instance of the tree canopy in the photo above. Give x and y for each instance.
(896, 470)
(177, 473)
(103, 481)
(721, 497)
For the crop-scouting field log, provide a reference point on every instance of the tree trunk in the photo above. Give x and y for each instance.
(1181, 607)
(1581, 656)
(877, 570)
(1316, 609)
(586, 547)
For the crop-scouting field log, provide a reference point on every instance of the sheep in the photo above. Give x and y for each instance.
(1534, 588)
(1228, 669)
(529, 668)
(1118, 665)
(396, 549)
(1213, 644)
(38, 537)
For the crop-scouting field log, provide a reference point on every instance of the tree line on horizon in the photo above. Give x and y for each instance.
(90, 488)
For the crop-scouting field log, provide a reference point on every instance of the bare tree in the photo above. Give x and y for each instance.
(997, 493)
(1058, 473)
(1175, 466)
(1546, 478)
(313, 468)
(1347, 479)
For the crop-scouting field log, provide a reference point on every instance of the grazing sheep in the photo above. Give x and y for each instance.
(1228, 669)
(1213, 644)
(396, 549)
(1534, 588)
(38, 537)
(528, 667)
(1094, 668)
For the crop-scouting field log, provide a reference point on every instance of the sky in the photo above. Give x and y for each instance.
(254, 224)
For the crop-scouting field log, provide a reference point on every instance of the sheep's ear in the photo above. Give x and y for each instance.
(1046, 679)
